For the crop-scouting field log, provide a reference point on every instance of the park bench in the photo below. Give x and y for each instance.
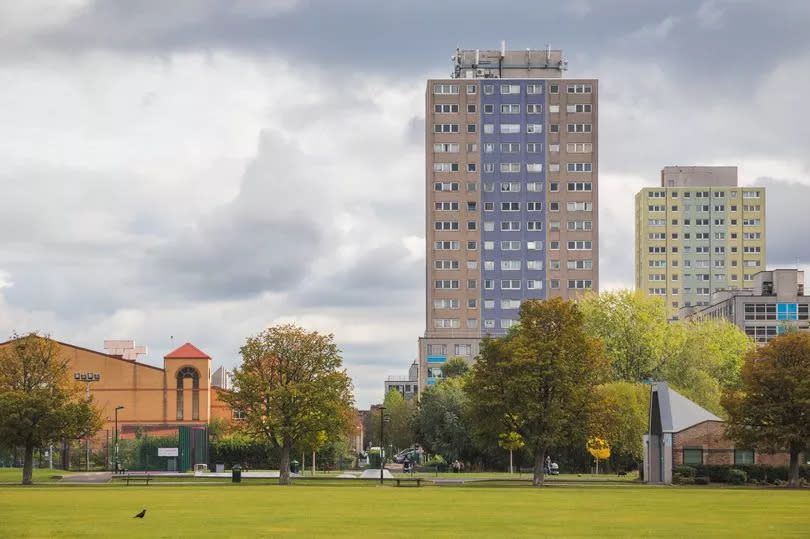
(417, 480)
(146, 478)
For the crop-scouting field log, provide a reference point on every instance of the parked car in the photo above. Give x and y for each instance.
(409, 454)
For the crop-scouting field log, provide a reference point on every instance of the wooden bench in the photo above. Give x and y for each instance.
(417, 480)
(146, 478)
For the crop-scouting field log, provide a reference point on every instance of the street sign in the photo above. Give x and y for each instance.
(167, 452)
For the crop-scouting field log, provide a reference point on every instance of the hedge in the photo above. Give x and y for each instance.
(758, 472)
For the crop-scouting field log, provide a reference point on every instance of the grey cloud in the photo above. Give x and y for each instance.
(787, 222)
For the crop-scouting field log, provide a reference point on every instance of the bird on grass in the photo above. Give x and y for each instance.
(141, 514)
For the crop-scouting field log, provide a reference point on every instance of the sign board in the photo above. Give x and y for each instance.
(167, 452)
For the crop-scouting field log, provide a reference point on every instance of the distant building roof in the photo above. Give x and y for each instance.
(678, 412)
(187, 351)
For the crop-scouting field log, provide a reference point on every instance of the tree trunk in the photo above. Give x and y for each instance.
(284, 467)
(539, 471)
(793, 473)
(28, 464)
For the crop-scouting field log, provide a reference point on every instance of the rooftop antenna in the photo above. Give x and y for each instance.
(548, 52)
(503, 48)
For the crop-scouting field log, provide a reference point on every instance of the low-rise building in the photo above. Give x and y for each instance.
(681, 432)
(775, 302)
(408, 386)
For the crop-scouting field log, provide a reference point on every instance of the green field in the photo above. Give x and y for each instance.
(41, 475)
(264, 510)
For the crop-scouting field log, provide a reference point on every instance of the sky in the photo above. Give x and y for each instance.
(198, 170)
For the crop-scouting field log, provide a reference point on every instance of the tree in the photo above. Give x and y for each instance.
(511, 441)
(290, 386)
(769, 409)
(620, 417)
(537, 380)
(399, 430)
(442, 422)
(599, 449)
(456, 366)
(39, 400)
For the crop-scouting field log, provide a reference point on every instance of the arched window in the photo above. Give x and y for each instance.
(194, 374)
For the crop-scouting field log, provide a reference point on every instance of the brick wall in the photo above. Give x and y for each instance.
(717, 449)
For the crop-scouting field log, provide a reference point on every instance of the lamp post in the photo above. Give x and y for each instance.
(383, 420)
(116, 435)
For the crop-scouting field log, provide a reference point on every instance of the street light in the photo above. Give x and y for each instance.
(116, 435)
(384, 418)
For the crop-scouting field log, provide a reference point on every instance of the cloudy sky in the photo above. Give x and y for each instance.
(202, 169)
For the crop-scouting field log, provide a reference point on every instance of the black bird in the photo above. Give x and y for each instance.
(141, 514)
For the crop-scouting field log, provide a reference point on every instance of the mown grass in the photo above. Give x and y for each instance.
(41, 475)
(266, 510)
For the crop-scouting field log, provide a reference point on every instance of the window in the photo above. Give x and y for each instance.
(579, 245)
(489, 109)
(472, 245)
(472, 284)
(489, 284)
(580, 167)
(446, 323)
(510, 284)
(534, 226)
(534, 167)
(470, 167)
(445, 304)
(534, 147)
(510, 265)
(445, 128)
(554, 283)
(534, 245)
(693, 456)
(194, 374)
(445, 225)
(510, 89)
(489, 245)
(579, 88)
(580, 225)
(580, 186)
(510, 304)
(510, 226)
(446, 284)
(510, 246)
(580, 206)
(445, 148)
(554, 128)
(445, 167)
(445, 89)
(507, 323)
(533, 89)
(470, 128)
(445, 108)
(446, 245)
(489, 206)
(510, 108)
(471, 225)
(554, 147)
(554, 89)
(510, 128)
(446, 206)
(471, 109)
(472, 88)
(510, 187)
(472, 187)
(579, 284)
(445, 264)
(534, 108)
(534, 264)
(534, 128)
(471, 206)
(463, 349)
(554, 109)
(750, 194)
(582, 107)
(580, 264)
(510, 206)
(489, 304)
(534, 187)
(554, 186)
(743, 456)
(510, 147)
(534, 206)
(554, 245)
(489, 129)
(489, 89)
(579, 128)
(579, 147)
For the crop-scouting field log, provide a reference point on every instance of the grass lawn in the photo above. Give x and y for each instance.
(41, 475)
(258, 510)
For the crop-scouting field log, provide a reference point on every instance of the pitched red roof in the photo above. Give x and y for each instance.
(187, 351)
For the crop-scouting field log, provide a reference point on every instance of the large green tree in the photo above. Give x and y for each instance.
(619, 417)
(289, 387)
(537, 381)
(769, 409)
(39, 400)
(399, 428)
(443, 422)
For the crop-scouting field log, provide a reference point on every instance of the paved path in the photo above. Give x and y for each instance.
(88, 477)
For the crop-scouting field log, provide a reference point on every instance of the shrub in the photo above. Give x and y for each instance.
(701, 480)
(680, 479)
(737, 477)
(685, 471)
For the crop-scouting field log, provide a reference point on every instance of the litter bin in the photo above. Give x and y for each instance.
(294, 466)
(219, 467)
(236, 474)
